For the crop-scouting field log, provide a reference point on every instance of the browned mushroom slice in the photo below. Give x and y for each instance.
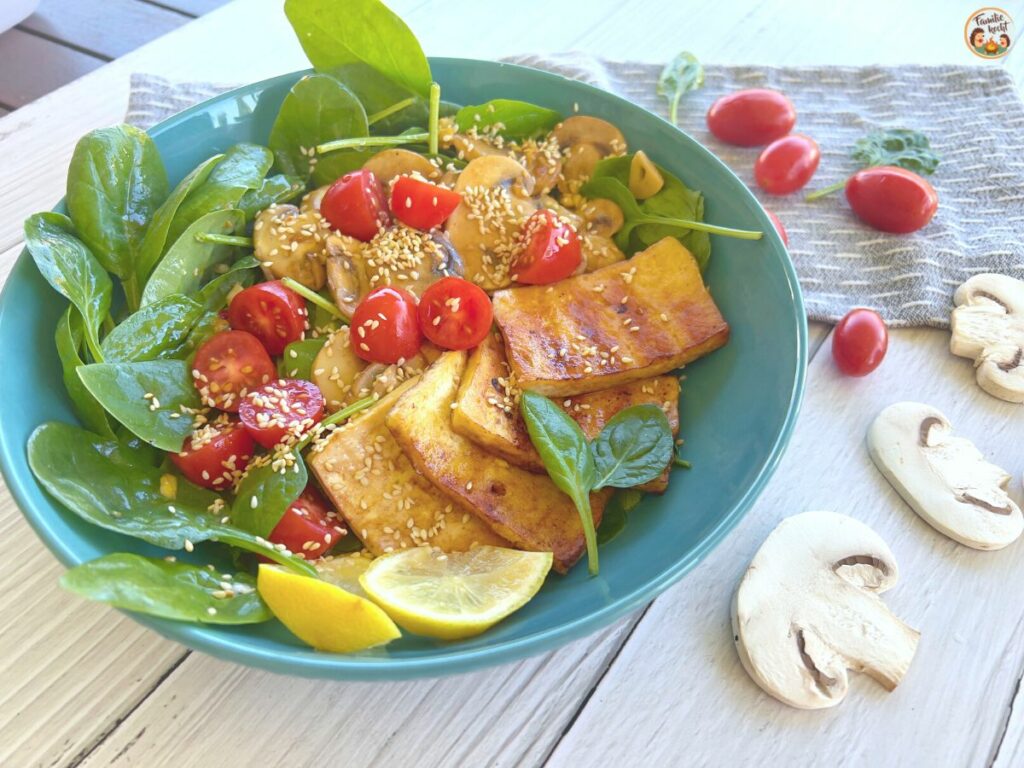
(543, 159)
(335, 370)
(645, 180)
(406, 258)
(603, 217)
(343, 276)
(291, 244)
(468, 146)
(391, 163)
(584, 141)
(311, 201)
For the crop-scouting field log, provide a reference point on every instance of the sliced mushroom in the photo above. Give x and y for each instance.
(603, 217)
(290, 243)
(584, 141)
(988, 327)
(379, 379)
(343, 276)
(391, 163)
(807, 610)
(945, 479)
(335, 369)
(468, 146)
(543, 159)
(645, 180)
(311, 201)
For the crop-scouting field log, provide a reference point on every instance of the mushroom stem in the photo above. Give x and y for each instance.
(211, 237)
(371, 141)
(432, 121)
(315, 298)
(398, 106)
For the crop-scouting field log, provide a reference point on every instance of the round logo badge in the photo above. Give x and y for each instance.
(989, 33)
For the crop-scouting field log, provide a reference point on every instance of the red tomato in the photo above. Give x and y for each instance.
(859, 342)
(751, 118)
(282, 408)
(227, 366)
(778, 226)
(787, 164)
(272, 312)
(891, 199)
(309, 527)
(420, 204)
(455, 313)
(215, 454)
(551, 250)
(355, 205)
(384, 326)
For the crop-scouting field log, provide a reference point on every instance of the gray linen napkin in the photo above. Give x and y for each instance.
(973, 115)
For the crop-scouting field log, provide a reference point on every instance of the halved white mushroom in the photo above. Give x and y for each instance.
(290, 243)
(945, 479)
(808, 609)
(988, 327)
(391, 163)
(335, 370)
(343, 275)
(584, 141)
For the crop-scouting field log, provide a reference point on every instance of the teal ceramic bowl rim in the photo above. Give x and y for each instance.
(22, 485)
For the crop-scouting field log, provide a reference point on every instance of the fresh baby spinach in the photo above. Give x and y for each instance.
(297, 360)
(680, 76)
(242, 273)
(517, 119)
(901, 147)
(279, 188)
(265, 494)
(634, 447)
(69, 339)
(157, 330)
(170, 590)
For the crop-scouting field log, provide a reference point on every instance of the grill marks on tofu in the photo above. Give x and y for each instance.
(525, 508)
(386, 503)
(624, 322)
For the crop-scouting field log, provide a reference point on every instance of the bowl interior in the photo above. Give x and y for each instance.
(737, 409)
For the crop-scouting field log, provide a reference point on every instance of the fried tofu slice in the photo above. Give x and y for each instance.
(367, 476)
(627, 321)
(525, 508)
(487, 410)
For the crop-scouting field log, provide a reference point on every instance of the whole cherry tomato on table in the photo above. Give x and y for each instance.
(551, 250)
(787, 164)
(891, 199)
(282, 408)
(214, 454)
(308, 528)
(420, 204)
(859, 342)
(385, 327)
(751, 118)
(455, 313)
(228, 365)
(355, 205)
(272, 312)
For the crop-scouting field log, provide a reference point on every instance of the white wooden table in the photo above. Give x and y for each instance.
(83, 685)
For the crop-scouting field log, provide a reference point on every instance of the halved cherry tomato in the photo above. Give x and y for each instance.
(778, 226)
(272, 312)
(308, 527)
(892, 199)
(228, 365)
(859, 342)
(280, 409)
(455, 313)
(420, 204)
(752, 117)
(355, 205)
(384, 326)
(215, 454)
(787, 164)
(551, 250)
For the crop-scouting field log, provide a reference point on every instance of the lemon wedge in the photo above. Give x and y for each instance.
(322, 614)
(344, 570)
(455, 595)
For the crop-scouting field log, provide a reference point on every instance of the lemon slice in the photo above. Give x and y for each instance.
(324, 615)
(457, 595)
(344, 570)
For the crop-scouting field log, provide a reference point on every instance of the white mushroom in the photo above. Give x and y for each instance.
(944, 478)
(807, 610)
(988, 327)
(290, 243)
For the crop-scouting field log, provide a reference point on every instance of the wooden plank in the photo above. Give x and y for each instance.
(122, 26)
(191, 7)
(677, 694)
(31, 67)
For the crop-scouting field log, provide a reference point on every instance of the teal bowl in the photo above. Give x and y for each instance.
(737, 411)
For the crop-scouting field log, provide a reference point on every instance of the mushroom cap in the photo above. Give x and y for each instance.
(335, 369)
(945, 479)
(391, 163)
(585, 141)
(807, 610)
(988, 326)
(290, 243)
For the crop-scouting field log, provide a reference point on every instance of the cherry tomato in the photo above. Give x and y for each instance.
(551, 250)
(272, 312)
(787, 164)
(280, 409)
(778, 226)
(228, 365)
(859, 342)
(891, 199)
(308, 527)
(751, 118)
(455, 313)
(384, 326)
(355, 205)
(215, 454)
(420, 204)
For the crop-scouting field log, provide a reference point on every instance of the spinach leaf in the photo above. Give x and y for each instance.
(69, 338)
(275, 189)
(171, 590)
(188, 261)
(265, 494)
(616, 514)
(214, 294)
(379, 96)
(366, 32)
(122, 389)
(108, 484)
(519, 119)
(155, 241)
(897, 146)
(297, 360)
(681, 75)
(317, 109)
(157, 330)
(210, 323)
(116, 181)
(70, 267)
(634, 447)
